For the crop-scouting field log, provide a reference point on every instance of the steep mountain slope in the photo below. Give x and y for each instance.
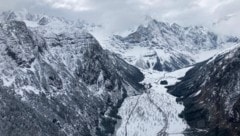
(164, 47)
(56, 79)
(211, 95)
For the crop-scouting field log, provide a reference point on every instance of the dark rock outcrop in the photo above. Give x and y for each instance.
(43, 21)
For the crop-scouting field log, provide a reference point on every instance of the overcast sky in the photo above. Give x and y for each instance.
(118, 15)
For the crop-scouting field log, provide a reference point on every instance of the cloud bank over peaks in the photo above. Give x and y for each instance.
(120, 15)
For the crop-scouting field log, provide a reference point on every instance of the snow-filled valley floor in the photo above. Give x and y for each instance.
(155, 112)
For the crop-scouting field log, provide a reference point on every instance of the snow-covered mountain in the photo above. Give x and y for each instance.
(56, 80)
(168, 47)
(43, 21)
(211, 95)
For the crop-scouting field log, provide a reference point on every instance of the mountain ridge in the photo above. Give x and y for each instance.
(210, 94)
(175, 46)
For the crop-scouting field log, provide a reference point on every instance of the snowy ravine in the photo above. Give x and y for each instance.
(155, 112)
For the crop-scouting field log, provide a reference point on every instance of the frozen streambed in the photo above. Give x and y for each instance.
(155, 112)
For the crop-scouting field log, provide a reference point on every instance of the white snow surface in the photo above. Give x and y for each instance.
(140, 117)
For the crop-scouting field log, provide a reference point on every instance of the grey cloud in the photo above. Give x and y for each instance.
(119, 15)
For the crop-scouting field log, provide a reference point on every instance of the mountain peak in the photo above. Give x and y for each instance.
(154, 23)
(151, 22)
(20, 15)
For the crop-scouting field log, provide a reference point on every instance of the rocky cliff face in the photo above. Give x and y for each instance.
(57, 80)
(210, 93)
